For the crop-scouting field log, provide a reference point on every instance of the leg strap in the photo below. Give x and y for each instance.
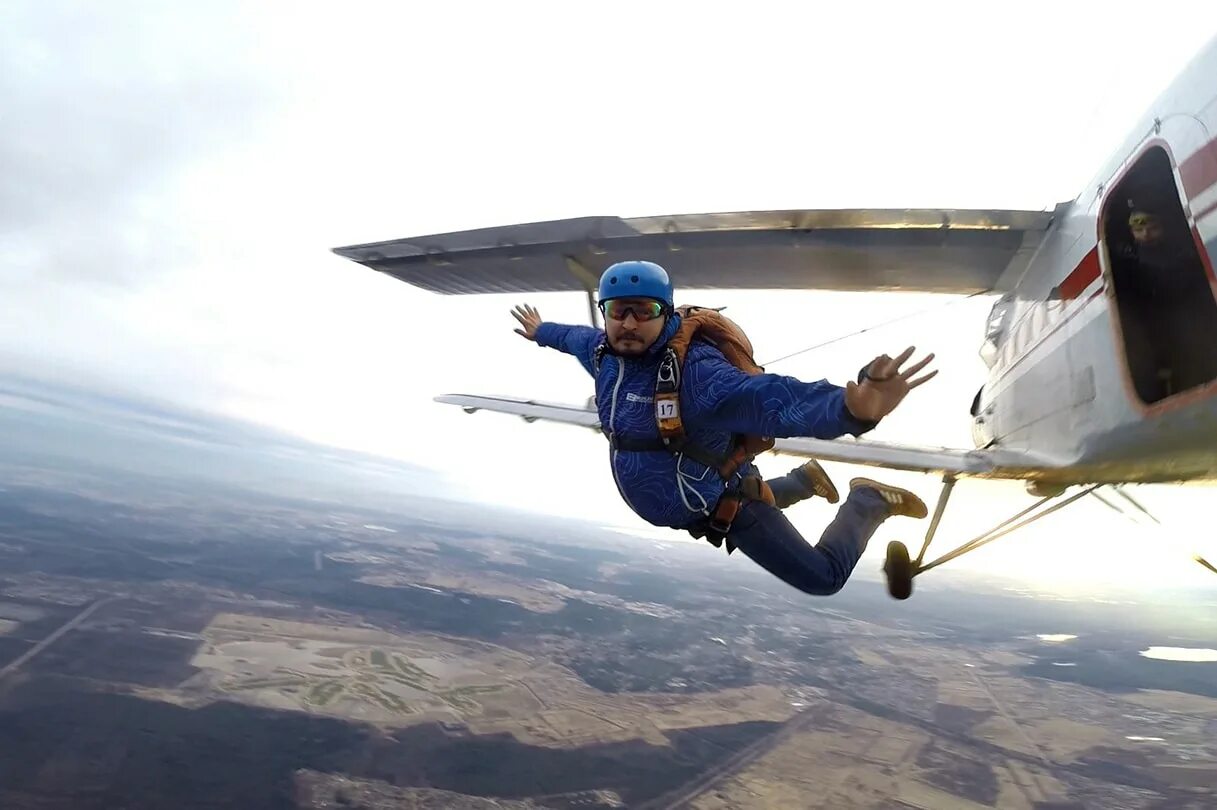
(716, 528)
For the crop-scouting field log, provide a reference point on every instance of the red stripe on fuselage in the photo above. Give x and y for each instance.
(1081, 276)
(1199, 171)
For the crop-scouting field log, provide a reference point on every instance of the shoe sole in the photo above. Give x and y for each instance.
(901, 501)
(820, 482)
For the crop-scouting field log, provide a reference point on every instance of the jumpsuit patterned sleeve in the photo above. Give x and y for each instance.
(580, 341)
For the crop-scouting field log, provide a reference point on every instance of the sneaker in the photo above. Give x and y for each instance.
(817, 480)
(899, 501)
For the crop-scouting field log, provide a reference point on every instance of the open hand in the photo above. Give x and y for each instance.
(529, 318)
(884, 386)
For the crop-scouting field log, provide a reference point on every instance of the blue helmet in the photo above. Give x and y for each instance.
(636, 279)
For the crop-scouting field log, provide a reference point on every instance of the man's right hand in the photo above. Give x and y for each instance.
(884, 385)
(530, 319)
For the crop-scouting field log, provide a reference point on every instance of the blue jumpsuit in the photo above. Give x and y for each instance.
(719, 401)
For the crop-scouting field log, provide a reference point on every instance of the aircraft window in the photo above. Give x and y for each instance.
(995, 330)
(1165, 303)
(988, 354)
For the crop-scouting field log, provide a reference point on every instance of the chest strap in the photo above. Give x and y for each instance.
(634, 444)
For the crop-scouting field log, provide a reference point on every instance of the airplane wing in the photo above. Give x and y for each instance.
(929, 250)
(530, 410)
(937, 460)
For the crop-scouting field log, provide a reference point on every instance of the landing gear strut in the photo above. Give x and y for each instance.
(900, 569)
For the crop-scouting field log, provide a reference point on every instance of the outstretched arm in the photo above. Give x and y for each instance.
(579, 341)
(778, 406)
(767, 404)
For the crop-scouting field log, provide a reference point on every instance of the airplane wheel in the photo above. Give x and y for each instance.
(899, 570)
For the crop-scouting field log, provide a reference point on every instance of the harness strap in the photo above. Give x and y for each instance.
(716, 528)
(598, 357)
(633, 444)
(701, 455)
(725, 465)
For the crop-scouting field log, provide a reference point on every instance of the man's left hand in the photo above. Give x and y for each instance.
(885, 385)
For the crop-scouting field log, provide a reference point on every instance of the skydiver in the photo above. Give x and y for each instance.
(718, 402)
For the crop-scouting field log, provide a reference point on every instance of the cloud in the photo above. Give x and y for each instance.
(100, 106)
(88, 432)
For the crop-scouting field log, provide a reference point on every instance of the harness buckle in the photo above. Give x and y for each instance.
(724, 514)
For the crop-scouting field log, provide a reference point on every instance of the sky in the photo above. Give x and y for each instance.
(175, 177)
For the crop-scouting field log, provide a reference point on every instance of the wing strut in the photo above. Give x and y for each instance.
(900, 570)
(593, 312)
(589, 281)
(1004, 528)
(948, 484)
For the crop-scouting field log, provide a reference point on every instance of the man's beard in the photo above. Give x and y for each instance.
(634, 348)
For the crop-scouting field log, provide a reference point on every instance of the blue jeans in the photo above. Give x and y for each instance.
(768, 539)
(788, 489)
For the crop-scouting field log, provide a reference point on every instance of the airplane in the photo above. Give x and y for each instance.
(1084, 389)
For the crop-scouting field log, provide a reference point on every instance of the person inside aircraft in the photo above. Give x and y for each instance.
(1173, 302)
(685, 417)
(1160, 252)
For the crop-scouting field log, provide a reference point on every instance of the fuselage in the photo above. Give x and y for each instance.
(1087, 370)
